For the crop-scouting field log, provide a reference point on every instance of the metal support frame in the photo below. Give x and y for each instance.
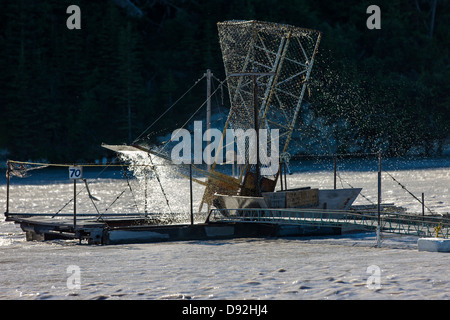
(297, 109)
(256, 120)
(274, 63)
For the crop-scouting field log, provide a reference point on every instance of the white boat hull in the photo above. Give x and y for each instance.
(328, 199)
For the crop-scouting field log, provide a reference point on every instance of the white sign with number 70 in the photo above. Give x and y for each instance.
(75, 172)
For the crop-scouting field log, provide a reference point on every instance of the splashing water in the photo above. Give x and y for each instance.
(160, 186)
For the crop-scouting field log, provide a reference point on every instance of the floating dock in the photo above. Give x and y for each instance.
(134, 230)
(222, 224)
(125, 229)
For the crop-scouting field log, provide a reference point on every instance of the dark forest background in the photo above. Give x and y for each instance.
(64, 92)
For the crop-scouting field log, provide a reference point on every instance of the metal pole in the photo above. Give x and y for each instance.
(379, 189)
(334, 159)
(208, 109)
(280, 172)
(379, 201)
(285, 178)
(8, 168)
(255, 111)
(74, 204)
(208, 114)
(145, 190)
(190, 191)
(423, 204)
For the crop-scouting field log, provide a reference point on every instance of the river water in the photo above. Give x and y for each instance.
(336, 267)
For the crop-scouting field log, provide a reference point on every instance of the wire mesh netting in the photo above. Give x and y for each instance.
(284, 57)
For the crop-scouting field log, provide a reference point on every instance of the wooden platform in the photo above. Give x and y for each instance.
(41, 227)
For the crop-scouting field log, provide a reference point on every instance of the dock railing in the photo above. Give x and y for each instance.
(389, 222)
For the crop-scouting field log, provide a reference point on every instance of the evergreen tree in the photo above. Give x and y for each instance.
(63, 92)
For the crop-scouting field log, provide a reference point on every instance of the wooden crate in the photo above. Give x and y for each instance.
(302, 198)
